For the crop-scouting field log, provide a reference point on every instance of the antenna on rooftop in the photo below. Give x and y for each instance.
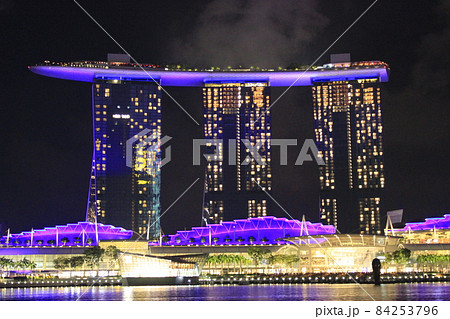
(389, 223)
(8, 235)
(303, 227)
(393, 217)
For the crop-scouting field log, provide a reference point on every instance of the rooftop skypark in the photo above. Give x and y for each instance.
(179, 75)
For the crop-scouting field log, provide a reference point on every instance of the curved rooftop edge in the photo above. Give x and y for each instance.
(168, 77)
(257, 230)
(77, 234)
(429, 224)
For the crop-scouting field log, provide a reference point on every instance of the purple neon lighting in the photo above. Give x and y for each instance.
(198, 78)
(80, 234)
(429, 223)
(260, 230)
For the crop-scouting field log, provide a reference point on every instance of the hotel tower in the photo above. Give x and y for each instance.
(125, 184)
(237, 113)
(349, 135)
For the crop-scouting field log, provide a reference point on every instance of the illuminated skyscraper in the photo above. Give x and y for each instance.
(127, 106)
(234, 182)
(349, 135)
(125, 185)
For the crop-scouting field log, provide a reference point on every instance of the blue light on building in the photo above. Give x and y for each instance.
(261, 230)
(79, 234)
(429, 224)
(126, 165)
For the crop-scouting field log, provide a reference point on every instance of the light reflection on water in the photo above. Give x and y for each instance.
(315, 292)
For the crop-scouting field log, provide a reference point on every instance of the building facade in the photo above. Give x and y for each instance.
(126, 103)
(125, 176)
(236, 119)
(349, 136)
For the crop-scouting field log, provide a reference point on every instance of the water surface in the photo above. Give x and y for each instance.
(311, 292)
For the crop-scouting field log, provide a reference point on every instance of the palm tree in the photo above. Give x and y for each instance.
(217, 261)
(212, 260)
(27, 264)
(24, 264)
(243, 261)
(225, 260)
(39, 242)
(65, 240)
(231, 259)
(5, 263)
(32, 265)
(222, 259)
(239, 260)
(209, 261)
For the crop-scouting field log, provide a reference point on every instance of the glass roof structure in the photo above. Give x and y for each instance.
(429, 223)
(79, 234)
(258, 230)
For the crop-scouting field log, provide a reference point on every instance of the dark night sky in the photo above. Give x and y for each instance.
(46, 123)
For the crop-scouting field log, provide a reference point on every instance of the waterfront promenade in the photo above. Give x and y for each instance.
(253, 279)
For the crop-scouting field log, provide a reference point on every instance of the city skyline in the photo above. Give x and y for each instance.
(47, 188)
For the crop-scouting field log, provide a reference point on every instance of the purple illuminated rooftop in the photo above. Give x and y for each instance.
(80, 234)
(259, 230)
(428, 224)
(87, 71)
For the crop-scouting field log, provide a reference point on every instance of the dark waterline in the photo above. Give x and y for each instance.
(311, 292)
